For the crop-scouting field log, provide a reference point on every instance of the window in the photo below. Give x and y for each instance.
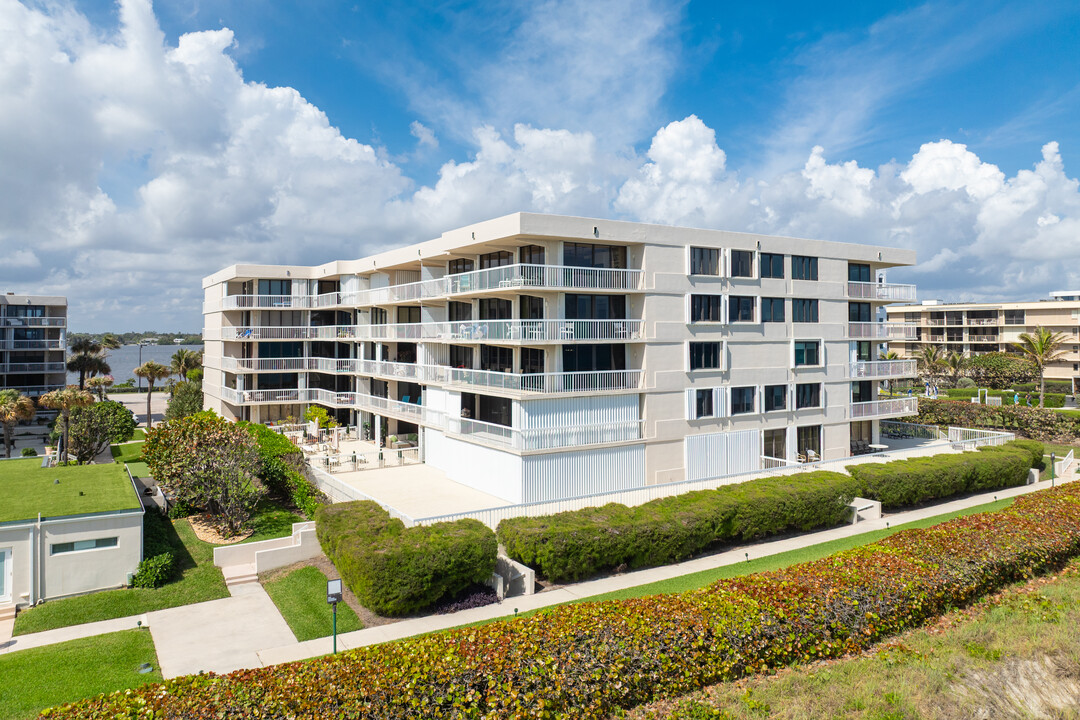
(807, 352)
(496, 309)
(740, 309)
(703, 403)
(742, 263)
(461, 357)
(772, 265)
(582, 358)
(803, 268)
(807, 395)
(742, 400)
(496, 259)
(804, 310)
(774, 443)
(858, 272)
(499, 359)
(1014, 317)
(807, 439)
(80, 545)
(772, 309)
(532, 308)
(594, 256)
(595, 307)
(862, 391)
(408, 314)
(706, 308)
(704, 261)
(531, 255)
(456, 267)
(378, 316)
(775, 398)
(858, 312)
(864, 351)
(275, 287)
(705, 356)
(459, 311)
(532, 360)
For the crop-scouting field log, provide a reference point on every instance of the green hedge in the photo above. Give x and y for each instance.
(1051, 387)
(159, 563)
(1035, 448)
(395, 570)
(574, 545)
(1052, 400)
(280, 471)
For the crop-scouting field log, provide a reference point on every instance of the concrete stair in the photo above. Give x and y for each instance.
(240, 574)
(7, 612)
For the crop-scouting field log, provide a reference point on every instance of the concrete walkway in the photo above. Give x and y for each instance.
(247, 631)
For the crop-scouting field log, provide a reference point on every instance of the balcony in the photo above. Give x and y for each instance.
(34, 390)
(983, 321)
(894, 407)
(325, 332)
(33, 322)
(881, 331)
(510, 331)
(501, 436)
(56, 344)
(882, 369)
(984, 338)
(885, 292)
(53, 367)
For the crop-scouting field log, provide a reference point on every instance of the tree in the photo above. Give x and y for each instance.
(187, 399)
(957, 364)
(1000, 370)
(100, 385)
(14, 406)
(320, 417)
(889, 355)
(1041, 347)
(930, 362)
(65, 400)
(208, 462)
(151, 372)
(87, 359)
(95, 426)
(110, 342)
(184, 361)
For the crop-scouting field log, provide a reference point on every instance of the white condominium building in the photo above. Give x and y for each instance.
(539, 356)
(33, 343)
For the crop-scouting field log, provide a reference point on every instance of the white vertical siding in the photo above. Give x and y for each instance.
(482, 468)
(725, 453)
(586, 410)
(571, 474)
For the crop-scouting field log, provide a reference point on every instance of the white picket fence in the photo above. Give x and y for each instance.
(1063, 465)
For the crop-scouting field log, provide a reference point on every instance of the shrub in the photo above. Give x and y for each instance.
(1037, 450)
(93, 427)
(154, 571)
(159, 563)
(1051, 400)
(590, 660)
(1045, 425)
(395, 570)
(282, 468)
(1064, 388)
(965, 382)
(29, 452)
(1001, 370)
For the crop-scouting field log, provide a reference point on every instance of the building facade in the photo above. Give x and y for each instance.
(540, 356)
(33, 343)
(978, 328)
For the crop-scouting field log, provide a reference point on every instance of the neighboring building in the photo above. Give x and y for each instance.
(542, 356)
(977, 328)
(65, 531)
(33, 343)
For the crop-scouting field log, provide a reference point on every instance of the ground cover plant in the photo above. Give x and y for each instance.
(588, 660)
(37, 678)
(580, 544)
(301, 597)
(27, 489)
(394, 570)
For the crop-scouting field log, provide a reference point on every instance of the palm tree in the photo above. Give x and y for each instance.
(957, 364)
(151, 372)
(14, 406)
(930, 360)
(110, 342)
(88, 359)
(100, 385)
(889, 355)
(1041, 347)
(65, 400)
(184, 361)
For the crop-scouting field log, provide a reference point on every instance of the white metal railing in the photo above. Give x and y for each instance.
(46, 344)
(1063, 465)
(358, 462)
(325, 332)
(33, 322)
(983, 338)
(54, 367)
(936, 322)
(882, 408)
(772, 463)
(32, 390)
(880, 291)
(506, 330)
(983, 321)
(882, 331)
(883, 369)
(896, 429)
(973, 438)
(544, 438)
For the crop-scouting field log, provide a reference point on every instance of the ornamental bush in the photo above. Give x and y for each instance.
(1052, 400)
(590, 660)
(159, 561)
(1035, 423)
(395, 570)
(282, 469)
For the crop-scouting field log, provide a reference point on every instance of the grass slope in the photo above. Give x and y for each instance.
(128, 452)
(301, 598)
(34, 679)
(27, 489)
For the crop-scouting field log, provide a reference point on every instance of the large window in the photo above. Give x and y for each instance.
(595, 307)
(499, 359)
(807, 395)
(803, 267)
(862, 391)
(742, 400)
(808, 438)
(774, 443)
(594, 256)
(706, 308)
(803, 310)
(858, 312)
(532, 308)
(275, 287)
(496, 309)
(378, 316)
(807, 352)
(858, 272)
(742, 263)
(775, 397)
(459, 311)
(703, 403)
(78, 545)
(408, 314)
(582, 358)
(461, 357)
(741, 309)
(531, 255)
(704, 261)
(706, 356)
(772, 309)
(461, 265)
(496, 259)
(772, 265)
(532, 360)
(1014, 317)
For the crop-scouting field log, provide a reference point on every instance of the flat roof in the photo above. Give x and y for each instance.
(1013, 305)
(13, 299)
(27, 489)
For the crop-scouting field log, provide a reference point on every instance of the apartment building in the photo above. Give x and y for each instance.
(33, 343)
(541, 356)
(977, 328)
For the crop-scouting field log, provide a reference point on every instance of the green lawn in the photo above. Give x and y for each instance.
(27, 489)
(271, 520)
(128, 452)
(140, 434)
(301, 598)
(34, 679)
(199, 581)
(138, 469)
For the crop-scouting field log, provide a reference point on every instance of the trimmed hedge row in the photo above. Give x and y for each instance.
(1052, 400)
(280, 471)
(588, 660)
(395, 570)
(579, 544)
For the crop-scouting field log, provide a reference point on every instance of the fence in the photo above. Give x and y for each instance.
(972, 438)
(901, 430)
(343, 492)
(1063, 465)
(357, 462)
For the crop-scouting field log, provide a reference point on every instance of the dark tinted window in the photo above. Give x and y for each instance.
(807, 352)
(775, 397)
(706, 308)
(740, 308)
(705, 355)
(772, 309)
(457, 267)
(704, 261)
(804, 310)
(531, 255)
(703, 403)
(807, 395)
(772, 265)
(742, 400)
(803, 267)
(597, 256)
(742, 263)
(496, 259)
(858, 312)
(858, 272)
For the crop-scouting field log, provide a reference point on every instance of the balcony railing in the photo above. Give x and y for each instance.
(33, 322)
(543, 438)
(525, 331)
(884, 408)
(54, 367)
(326, 332)
(33, 390)
(984, 338)
(936, 322)
(983, 321)
(891, 292)
(55, 344)
(882, 369)
(881, 331)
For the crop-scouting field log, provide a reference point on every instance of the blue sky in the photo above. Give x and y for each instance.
(191, 135)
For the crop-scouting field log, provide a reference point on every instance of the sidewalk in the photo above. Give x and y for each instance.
(247, 631)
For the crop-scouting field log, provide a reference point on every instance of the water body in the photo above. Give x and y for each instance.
(124, 360)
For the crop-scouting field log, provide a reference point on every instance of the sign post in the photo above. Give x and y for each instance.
(333, 597)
